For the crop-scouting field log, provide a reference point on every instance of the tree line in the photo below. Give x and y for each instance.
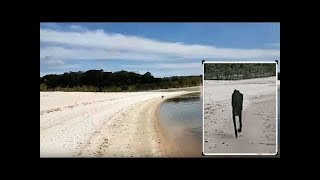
(100, 81)
(234, 71)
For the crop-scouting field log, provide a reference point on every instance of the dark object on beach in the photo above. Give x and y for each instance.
(162, 96)
(237, 101)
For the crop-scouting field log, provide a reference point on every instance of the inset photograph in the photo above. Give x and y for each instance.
(240, 108)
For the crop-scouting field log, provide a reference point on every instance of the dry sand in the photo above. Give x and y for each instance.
(88, 124)
(258, 118)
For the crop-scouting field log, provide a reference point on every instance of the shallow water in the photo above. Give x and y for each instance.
(181, 119)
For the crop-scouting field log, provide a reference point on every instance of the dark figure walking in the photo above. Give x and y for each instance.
(237, 100)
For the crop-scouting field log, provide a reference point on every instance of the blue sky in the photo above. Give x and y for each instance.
(164, 49)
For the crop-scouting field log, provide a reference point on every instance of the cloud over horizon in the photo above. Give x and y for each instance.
(59, 46)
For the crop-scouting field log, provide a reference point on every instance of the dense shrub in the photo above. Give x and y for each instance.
(100, 81)
(43, 87)
(229, 71)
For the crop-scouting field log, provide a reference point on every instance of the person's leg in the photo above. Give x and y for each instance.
(235, 125)
(240, 121)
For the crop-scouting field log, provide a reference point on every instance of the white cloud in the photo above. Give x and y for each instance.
(178, 72)
(78, 43)
(77, 28)
(81, 53)
(53, 72)
(99, 44)
(54, 63)
(65, 66)
(167, 69)
(166, 66)
(50, 60)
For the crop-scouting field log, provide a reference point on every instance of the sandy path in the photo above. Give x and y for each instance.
(74, 124)
(259, 116)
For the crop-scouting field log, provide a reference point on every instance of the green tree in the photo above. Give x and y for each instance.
(43, 87)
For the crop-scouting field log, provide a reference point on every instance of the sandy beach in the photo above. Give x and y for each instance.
(89, 124)
(259, 116)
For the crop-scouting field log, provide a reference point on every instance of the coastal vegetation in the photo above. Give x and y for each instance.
(100, 81)
(235, 71)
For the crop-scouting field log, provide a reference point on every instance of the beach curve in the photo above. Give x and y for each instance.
(88, 124)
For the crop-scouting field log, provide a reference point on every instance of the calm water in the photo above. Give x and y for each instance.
(181, 119)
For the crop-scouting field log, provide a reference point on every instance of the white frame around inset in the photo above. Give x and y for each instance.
(238, 62)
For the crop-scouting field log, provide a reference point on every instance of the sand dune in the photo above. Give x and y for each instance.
(88, 124)
(259, 116)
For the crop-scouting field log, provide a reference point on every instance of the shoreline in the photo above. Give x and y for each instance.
(171, 148)
(168, 148)
(103, 125)
(191, 88)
